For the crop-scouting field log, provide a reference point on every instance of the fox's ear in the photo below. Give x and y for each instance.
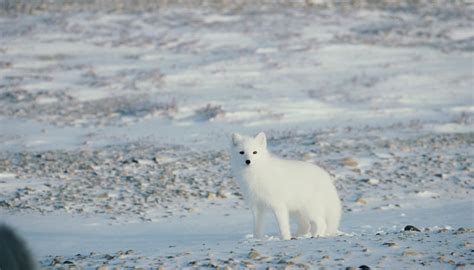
(261, 139)
(236, 138)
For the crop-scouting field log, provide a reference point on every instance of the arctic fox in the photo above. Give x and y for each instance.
(288, 188)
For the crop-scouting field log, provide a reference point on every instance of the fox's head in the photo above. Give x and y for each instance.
(248, 151)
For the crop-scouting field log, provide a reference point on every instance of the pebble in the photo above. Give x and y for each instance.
(221, 193)
(373, 181)
(56, 260)
(248, 264)
(211, 195)
(253, 254)
(411, 228)
(361, 200)
(410, 253)
(390, 244)
(348, 161)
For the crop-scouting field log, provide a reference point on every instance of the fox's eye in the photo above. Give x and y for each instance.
(242, 152)
(254, 152)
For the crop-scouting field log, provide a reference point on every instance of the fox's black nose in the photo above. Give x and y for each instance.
(247, 161)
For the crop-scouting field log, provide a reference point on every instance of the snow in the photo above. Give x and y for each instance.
(220, 234)
(114, 133)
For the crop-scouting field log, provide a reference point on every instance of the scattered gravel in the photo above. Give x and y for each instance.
(148, 182)
(240, 257)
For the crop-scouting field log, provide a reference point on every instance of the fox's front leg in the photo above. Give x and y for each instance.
(258, 222)
(283, 220)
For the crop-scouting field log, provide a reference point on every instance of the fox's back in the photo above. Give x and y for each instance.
(287, 180)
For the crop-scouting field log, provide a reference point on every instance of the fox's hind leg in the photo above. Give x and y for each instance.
(318, 226)
(303, 225)
(333, 217)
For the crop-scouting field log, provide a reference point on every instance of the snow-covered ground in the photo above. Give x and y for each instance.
(114, 129)
(219, 237)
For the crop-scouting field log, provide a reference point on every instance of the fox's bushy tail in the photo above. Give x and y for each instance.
(14, 254)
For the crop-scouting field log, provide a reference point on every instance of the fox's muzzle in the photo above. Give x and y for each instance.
(247, 162)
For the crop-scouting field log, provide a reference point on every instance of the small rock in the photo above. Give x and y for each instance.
(307, 156)
(4, 204)
(360, 200)
(265, 258)
(108, 257)
(411, 228)
(211, 195)
(56, 260)
(390, 244)
(248, 264)
(102, 267)
(364, 267)
(349, 162)
(373, 181)
(253, 254)
(410, 253)
(351, 268)
(103, 195)
(303, 266)
(221, 193)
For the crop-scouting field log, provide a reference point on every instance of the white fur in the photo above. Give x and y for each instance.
(288, 188)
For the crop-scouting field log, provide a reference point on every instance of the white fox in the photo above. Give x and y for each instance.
(288, 188)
